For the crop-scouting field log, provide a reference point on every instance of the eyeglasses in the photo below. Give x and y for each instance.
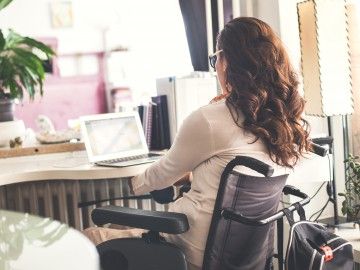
(213, 58)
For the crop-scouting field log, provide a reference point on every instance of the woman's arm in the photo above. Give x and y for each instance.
(184, 180)
(187, 178)
(192, 145)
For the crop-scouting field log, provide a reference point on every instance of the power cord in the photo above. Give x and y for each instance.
(320, 211)
(329, 191)
(316, 193)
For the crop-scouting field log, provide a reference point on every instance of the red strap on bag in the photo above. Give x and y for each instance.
(328, 253)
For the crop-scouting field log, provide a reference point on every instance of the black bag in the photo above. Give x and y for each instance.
(312, 247)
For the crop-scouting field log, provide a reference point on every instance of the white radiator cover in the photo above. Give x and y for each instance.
(58, 199)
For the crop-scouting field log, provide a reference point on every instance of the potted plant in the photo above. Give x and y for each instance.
(21, 70)
(350, 205)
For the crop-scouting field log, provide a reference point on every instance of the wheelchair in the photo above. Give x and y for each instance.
(241, 234)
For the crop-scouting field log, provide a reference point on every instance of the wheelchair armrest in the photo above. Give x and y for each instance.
(167, 222)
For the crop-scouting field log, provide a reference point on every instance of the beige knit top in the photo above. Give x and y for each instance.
(207, 140)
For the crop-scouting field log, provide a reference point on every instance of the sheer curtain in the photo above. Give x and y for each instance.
(155, 35)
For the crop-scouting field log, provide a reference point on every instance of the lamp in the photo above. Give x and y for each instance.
(325, 61)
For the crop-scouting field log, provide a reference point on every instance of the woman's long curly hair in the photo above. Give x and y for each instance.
(263, 87)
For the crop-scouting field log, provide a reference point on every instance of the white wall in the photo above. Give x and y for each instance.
(153, 31)
(33, 18)
(268, 11)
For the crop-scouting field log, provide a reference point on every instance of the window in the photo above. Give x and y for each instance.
(154, 33)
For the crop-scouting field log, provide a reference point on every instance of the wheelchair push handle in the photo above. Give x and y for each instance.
(319, 150)
(264, 168)
(229, 214)
(291, 190)
(251, 163)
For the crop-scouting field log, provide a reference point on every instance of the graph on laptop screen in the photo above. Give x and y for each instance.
(109, 136)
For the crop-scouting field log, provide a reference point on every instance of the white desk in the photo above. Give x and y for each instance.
(75, 165)
(51, 185)
(24, 184)
(70, 165)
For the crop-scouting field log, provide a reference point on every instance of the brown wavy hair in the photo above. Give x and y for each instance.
(264, 89)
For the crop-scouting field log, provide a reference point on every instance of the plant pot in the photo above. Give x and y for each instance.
(6, 110)
(10, 130)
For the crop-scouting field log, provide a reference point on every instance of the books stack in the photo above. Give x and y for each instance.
(146, 114)
(155, 120)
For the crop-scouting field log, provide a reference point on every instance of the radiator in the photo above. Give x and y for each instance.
(58, 199)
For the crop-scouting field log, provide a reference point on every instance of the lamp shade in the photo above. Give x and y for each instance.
(325, 58)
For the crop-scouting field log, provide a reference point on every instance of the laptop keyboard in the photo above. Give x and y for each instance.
(127, 158)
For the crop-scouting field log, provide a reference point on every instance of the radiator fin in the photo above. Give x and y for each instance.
(58, 199)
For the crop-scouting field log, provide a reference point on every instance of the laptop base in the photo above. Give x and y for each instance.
(129, 162)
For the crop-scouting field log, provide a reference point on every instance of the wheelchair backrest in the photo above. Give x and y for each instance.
(232, 245)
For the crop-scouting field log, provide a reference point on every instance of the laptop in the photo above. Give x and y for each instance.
(115, 139)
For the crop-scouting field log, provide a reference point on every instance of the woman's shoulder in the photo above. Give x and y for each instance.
(209, 114)
(214, 107)
(216, 111)
(216, 114)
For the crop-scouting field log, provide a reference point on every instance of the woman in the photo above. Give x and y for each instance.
(257, 115)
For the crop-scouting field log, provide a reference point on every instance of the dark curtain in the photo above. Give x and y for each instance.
(214, 21)
(194, 16)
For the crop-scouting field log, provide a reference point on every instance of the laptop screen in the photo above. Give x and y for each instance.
(113, 136)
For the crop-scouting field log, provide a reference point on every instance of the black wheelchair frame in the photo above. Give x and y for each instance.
(176, 223)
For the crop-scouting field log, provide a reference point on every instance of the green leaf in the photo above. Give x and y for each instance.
(4, 3)
(29, 80)
(27, 76)
(15, 89)
(12, 39)
(16, 40)
(39, 45)
(352, 165)
(30, 60)
(6, 70)
(21, 69)
(342, 194)
(2, 40)
(27, 83)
